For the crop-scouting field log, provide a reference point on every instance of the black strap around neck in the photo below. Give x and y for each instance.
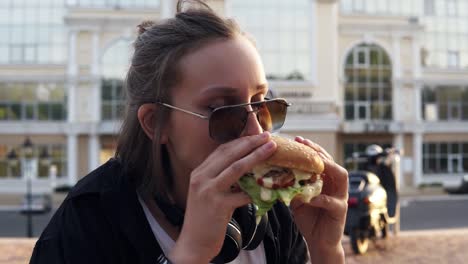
(174, 214)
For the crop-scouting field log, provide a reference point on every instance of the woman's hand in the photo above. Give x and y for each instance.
(211, 201)
(322, 221)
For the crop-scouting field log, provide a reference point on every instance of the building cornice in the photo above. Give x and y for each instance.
(307, 122)
(446, 127)
(327, 1)
(350, 25)
(108, 20)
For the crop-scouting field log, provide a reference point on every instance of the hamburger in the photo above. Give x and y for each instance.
(293, 170)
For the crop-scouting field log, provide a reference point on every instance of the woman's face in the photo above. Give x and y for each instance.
(223, 72)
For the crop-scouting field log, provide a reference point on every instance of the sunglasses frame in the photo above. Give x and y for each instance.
(207, 117)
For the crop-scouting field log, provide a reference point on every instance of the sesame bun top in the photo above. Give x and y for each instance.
(294, 155)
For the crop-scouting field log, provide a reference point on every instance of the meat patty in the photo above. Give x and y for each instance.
(281, 178)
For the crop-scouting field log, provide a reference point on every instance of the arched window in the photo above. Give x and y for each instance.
(368, 84)
(115, 62)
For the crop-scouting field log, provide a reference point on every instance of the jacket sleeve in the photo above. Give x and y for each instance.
(47, 251)
(72, 236)
(289, 241)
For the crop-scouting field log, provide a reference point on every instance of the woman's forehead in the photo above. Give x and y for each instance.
(221, 65)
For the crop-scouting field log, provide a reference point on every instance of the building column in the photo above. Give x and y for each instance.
(168, 8)
(72, 137)
(399, 145)
(325, 66)
(72, 158)
(72, 73)
(416, 50)
(417, 102)
(396, 102)
(417, 158)
(72, 68)
(95, 53)
(94, 148)
(96, 77)
(396, 50)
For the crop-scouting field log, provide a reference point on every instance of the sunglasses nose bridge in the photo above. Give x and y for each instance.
(252, 124)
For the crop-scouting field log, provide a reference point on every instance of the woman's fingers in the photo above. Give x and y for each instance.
(335, 180)
(335, 177)
(236, 170)
(334, 206)
(215, 180)
(227, 154)
(321, 151)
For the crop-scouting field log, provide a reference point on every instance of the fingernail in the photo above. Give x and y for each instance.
(265, 134)
(269, 145)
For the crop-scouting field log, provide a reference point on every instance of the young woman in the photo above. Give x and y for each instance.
(195, 88)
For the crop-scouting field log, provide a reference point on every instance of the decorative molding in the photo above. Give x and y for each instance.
(312, 107)
(101, 23)
(327, 1)
(33, 78)
(307, 122)
(445, 127)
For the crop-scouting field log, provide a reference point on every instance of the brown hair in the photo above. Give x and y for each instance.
(153, 72)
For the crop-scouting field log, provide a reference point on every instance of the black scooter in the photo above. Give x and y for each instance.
(372, 205)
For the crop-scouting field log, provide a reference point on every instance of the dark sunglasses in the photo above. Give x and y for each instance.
(227, 122)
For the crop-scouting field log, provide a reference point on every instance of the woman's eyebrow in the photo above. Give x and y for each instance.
(228, 89)
(219, 90)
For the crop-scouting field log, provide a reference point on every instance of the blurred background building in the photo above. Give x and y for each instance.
(391, 72)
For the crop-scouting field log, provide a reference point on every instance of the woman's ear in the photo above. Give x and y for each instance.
(147, 118)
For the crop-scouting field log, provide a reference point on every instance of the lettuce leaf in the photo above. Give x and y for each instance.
(249, 185)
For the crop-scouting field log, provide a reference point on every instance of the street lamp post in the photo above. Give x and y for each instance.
(28, 163)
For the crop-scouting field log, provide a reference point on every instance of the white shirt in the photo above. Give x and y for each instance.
(256, 256)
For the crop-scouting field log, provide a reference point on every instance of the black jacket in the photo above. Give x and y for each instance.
(102, 221)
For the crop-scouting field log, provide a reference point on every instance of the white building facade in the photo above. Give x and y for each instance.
(357, 72)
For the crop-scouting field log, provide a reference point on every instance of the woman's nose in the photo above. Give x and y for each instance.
(252, 126)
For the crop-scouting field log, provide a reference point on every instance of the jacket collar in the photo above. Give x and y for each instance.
(120, 202)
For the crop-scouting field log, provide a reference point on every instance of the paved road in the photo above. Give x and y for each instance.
(13, 224)
(434, 212)
(417, 213)
(421, 247)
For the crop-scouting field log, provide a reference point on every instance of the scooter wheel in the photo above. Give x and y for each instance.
(359, 242)
(384, 229)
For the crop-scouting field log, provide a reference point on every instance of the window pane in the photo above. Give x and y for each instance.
(432, 148)
(362, 93)
(349, 93)
(14, 112)
(465, 149)
(454, 147)
(282, 30)
(349, 111)
(371, 79)
(3, 169)
(443, 148)
(57, 112)
(29, 112)
(465, 112)
(443, 165)
(432, 165)
(43, 112)
(443, 112)
(106, 112)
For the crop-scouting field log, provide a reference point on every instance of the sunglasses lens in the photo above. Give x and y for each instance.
(272, 115)
(227, 123)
